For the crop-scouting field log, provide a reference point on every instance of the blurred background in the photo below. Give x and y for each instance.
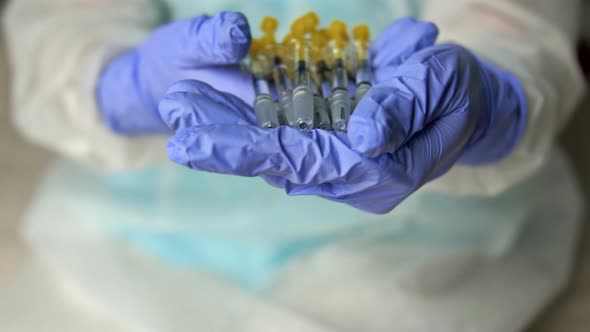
(22, 166)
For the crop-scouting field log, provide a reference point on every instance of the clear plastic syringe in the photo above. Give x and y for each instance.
(284, 87)
(340, 100)
(280, 73)
(320, 41)
(364, 75)
(265, 107)
(322, 89)
(303, 100)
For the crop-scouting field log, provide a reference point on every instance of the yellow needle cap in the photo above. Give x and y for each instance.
(361, 33)
(304, 25)
(337, 32)
(319, 40)
(339, 37)
(298, 29)
(311, 21)
(287, 39)
(269, 26)
(255, 48)
(301, 27)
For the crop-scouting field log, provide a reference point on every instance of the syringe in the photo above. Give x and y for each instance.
(322, 116)
(340, 101)
(319, 39)
(264, 107)
(363, 75)
(303, 100)
(280, 74)
(284, 88)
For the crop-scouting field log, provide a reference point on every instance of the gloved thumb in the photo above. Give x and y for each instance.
(382, 121)
(400, 40)
(393, 111)
(430, 86)
(201, 41)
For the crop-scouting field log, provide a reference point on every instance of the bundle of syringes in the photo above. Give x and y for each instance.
(310, 71)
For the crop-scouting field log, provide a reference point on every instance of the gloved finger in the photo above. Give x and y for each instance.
(373, 190)
(384, 119)
(432, 152)
(301, 158)
(203, 40)
(193, 103)
(373, 199)
(229, 79)
(383, 73)
(369, 196)
(396, 109)
(400, 40)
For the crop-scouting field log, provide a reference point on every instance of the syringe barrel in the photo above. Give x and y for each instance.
(326, 89)
(340, 109)
(323, 72)
(266, 111)
(303, 108)
(261, 86)
(363, 73)
(302, 76)
(322, 116)
(339, 76)
(281, 78)
(286, 107)
(361, 90)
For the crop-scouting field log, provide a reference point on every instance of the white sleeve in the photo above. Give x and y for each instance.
(57, 49)
(534, 40)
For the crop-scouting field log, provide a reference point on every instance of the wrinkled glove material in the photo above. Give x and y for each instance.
(207, 48)
(432, 106)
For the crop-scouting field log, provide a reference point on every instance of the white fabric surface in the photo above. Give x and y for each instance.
(57, 51)
(86, 277)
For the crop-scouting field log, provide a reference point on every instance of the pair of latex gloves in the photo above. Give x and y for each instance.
(431, 106)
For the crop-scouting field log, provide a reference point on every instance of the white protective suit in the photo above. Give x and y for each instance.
(488, 262)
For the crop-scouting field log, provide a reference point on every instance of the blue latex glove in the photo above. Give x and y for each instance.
(204, 48)
(434, 106)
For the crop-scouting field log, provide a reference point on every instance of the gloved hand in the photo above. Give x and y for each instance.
(204, 48)
(433, 106)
